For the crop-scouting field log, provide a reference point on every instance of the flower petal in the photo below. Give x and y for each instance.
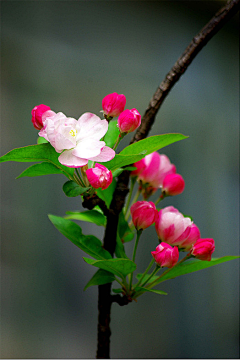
(68, 159)
(106, 154)
(88, 148)
(90, 125)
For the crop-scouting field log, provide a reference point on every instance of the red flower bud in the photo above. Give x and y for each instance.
(166, 255)
(99, 177)
(143, 214)
(173, 184)
(129, 120)
(37, 113)
(203, 249)
(113, 104)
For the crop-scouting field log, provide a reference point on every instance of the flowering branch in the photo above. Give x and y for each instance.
(198, 42)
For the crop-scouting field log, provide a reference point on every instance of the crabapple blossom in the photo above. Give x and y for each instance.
(143, 214)
(99, 176)
(77, 140)
(193, 236)
(129, 120)
(173, 184)
(165, 255)
(153, 168)
(37, 113)
(172, 227)
(113, 104)
(203, 249)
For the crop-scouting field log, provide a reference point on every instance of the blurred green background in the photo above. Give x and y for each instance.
(69, 55)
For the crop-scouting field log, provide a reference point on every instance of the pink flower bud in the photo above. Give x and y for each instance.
(113, 104)
(203, 249)
(166, 255)
(140, 166)
(153, 169)
(172, 227)
(193, 236)
(143, 214)
(99, 177)
(129, 120)
(173, 184)
(37, 113)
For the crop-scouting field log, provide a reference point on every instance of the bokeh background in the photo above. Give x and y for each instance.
(69, 55)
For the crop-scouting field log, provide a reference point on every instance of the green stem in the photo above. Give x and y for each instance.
(167, 271)
(133, 201)
(133, 181)
(152, 274)
(145, 272)
(139, 233)
(80, 182)
(161, 197)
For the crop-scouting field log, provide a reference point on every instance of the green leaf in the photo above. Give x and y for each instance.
(119, 267)
(112, 134)
(41, 140)
(100, 277)
(117, 291)
(107, 194)
(140, 149)
(124, 231)
(88, 243)
(32, 153)
(43, 168)
(191, 266)
(139, 288)
(92, 216)
(119, 250)
(152, 143)
(72, 189)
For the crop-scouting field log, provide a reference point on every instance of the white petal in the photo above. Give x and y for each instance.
(106, 154)
(90, 125)
(87, 148)
(68, 159)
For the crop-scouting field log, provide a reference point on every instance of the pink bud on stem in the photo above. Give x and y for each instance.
(37, 113)
(129, 121)
(203, 249)
(99, 176)
(113, 104)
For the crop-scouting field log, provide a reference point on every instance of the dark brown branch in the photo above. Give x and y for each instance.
(200, 40)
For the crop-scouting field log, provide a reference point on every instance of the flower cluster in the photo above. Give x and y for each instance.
(78, 141)
(156, 171)
(175, 231)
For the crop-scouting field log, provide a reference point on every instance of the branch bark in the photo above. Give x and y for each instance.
(109, 243)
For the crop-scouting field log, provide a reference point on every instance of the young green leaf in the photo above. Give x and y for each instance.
(117, 291)
(152, 143)
(88, 243)
(92, 216)
(191, 266)
(41, 152)
(140, 149)
(112, 134)
(119, 267)
(124, 231)
(99, 278)
(43, 168)
(72, 189)
(119, 250)
(41, 140)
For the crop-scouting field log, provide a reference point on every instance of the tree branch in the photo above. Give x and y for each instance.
(200, 40)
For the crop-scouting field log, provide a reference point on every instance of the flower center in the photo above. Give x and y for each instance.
(73, 132)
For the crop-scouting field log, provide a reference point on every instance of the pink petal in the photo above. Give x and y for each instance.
(68, 159)
(90, 125)
(106, 154)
